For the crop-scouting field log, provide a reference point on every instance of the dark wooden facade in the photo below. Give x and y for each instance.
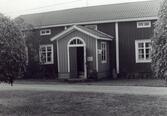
(128, 33)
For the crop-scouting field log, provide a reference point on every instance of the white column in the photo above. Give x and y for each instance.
(117, 46)
(97, 62)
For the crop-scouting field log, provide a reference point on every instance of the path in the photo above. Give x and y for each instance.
(139, 90)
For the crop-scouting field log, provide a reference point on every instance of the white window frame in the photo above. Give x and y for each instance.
(144, 24)
(104, 47)
(45, 32)
(52, 53)
(137, 53)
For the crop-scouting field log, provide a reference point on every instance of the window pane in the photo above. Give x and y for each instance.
(73, 42)
(141, 57)
(104, 52)
(47, 31)
(148, 56)
(79, 41)
(148, 44)
(140, 24)
(43, 57)
(148, 51)
(43, 49)
(140, 45)
(49, 49)
(43, 32)
(146, 23)
(141, 51)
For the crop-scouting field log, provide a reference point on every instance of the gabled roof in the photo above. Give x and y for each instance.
(93, 33)
(104, 13)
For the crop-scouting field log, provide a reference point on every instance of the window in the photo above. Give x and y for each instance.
(103, 52)
(143, 51)
(144, 24)
(45, 32)
(76, 42)
(46, 54)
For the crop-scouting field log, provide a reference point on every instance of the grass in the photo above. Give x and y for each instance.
(47, 103)
(119, 82)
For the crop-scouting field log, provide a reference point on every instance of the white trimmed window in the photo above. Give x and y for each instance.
(103, 52)
(46, 54)
(144, 24)
(143, 51)
(45, 32)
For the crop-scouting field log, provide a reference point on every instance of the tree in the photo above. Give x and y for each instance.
(159, 44)
(12, 50)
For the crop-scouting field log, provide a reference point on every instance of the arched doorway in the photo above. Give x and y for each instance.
(77, 58)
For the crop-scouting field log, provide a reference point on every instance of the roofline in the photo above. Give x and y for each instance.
(81, 30)
(96, 22)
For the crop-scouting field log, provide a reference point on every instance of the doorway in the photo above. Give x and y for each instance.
(77, 58)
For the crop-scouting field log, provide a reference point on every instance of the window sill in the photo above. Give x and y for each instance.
(143, 61)
(103, 62)
(48, 63)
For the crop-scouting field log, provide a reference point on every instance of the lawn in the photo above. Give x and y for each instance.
(50, 103)
(119, 82)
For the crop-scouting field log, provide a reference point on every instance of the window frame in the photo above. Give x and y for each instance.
(144, 26)
(144, 47)
(52, 53)
(45, 32)
(105, 53)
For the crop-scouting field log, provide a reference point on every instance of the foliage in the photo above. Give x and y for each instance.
(12, 50)
(159, 43)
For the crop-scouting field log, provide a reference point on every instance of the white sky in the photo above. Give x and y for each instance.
(15, 8)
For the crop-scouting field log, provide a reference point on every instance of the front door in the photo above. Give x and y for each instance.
(77, 68)
(80, 61)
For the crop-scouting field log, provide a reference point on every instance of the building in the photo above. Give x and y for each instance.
(102, 39)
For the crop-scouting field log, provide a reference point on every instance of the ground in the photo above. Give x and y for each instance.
(119, 82)
(51, 103)
(82, 100)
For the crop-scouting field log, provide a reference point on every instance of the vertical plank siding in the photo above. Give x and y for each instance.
(63, 56)
(109, 28)
(128, 33)
(42, 40)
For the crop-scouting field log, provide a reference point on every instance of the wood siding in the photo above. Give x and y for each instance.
(104, 67)
(43, 40)
(109, 28)
(63, 56)
(128, 33)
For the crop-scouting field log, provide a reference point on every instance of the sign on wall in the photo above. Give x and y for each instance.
(90, 58)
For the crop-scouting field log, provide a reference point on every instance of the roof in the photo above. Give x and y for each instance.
(93, 33)
(103, 13)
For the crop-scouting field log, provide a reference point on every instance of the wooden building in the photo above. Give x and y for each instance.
(102, 39)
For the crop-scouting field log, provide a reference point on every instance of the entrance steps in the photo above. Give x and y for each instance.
(76, 80)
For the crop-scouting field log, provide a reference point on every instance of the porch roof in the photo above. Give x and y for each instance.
(91, 32)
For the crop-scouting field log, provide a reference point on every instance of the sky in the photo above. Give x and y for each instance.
(14, 8)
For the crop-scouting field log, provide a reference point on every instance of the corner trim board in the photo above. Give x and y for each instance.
(117, 46)
(58, 61)
(97, 63)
